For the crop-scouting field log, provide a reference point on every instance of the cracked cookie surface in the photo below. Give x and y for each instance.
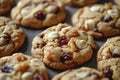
(83, 73)
(22, 67)
(11, 36)
(79, 3)
(5, 6)
(62, 46)
(100, 20)
(38, 13)
(108, 58)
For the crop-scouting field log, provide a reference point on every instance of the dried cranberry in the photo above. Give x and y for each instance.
(41, 35)
(40, 15)
(7, 37)
(63, 41)
(57, 11)
(7, 69)
(107, 19)
(39, 78)
(115, 55)
(108, 73)
(65, 57)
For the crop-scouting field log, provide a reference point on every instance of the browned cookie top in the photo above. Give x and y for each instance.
(5, 6)
(100, 20)
(63, 47)
(38, 13)
(22, 67)
(108, 58)
(83, 73)
(11, 36)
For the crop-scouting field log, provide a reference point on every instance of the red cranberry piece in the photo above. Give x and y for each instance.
(107, 19)
(41, 35)
(39, 78)
(40, 15)
(7, 37)
(44, 1)
(63, 41)
(65, 57)
(7, 69)
(108, 73)
(115, 55)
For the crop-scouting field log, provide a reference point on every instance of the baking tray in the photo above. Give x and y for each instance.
(31, 33)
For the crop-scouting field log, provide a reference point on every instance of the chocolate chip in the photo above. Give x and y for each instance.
(65, 57)
(7, 69)
(40, 15)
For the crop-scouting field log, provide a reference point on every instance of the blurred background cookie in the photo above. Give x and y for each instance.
(11, 36)
(100, 20)
(38, 13)
(22, 67)
(5, 6)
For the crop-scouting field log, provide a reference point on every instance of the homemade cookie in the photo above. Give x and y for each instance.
(79, 3)
(11, 36)
(62, 47)
(5, 6)
(117, 2)
(38, 13)
(22, 67)
(108, 58)
(83, 73)
(100, 20)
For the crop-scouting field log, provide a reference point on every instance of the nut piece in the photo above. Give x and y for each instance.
(4, 76)
(81, 74)
(95, 8)
(51, 9)
(71, 44)
(27, 76)
(112, 13)
(53, 35)
(89, 24)
(81, 44)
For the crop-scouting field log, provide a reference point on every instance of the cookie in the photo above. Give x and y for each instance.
(5, 6)
(100, 20)
(22, 67)
(11, 36)
(83, 73)
(108, 58)
(38, 13)
(62, 46)
(117, 2)
(79, 3)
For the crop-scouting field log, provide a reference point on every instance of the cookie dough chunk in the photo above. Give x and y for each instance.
(5, 6)
(117, 2)
(83, 73)
(98, 20)
(38, 13)
(108, 58)
(22, 67)
(79, 3)
(11, 36)
(62, 47)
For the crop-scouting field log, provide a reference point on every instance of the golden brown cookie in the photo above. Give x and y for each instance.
(62, 47)
(11, 36)
(100, 20)
(108, 58)
(83, 73)
(5, 6)
(22, 67)
(79, 3)
(38, 13)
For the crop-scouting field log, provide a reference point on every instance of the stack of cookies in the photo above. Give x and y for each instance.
(59, 48)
